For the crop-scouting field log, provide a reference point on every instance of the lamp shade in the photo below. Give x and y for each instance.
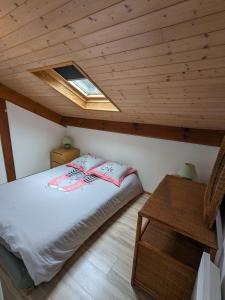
(188, 171)
(67, 142)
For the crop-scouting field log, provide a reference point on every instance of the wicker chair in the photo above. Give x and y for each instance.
(215, 188)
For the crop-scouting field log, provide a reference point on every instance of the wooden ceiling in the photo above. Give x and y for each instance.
(160, 61)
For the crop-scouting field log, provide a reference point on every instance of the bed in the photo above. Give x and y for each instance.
(42, 227)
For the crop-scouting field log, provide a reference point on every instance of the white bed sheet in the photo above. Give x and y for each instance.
(46, 226)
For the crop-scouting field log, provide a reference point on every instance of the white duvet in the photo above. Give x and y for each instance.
(46, 226)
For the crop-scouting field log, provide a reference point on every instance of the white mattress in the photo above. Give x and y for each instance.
(46, 226)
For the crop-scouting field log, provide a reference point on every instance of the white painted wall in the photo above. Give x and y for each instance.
(32, 137)
(152, 157)
(3, 178)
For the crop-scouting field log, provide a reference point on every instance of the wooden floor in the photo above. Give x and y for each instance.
(101, 269)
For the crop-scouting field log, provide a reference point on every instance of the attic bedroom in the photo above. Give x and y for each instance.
(112, 149)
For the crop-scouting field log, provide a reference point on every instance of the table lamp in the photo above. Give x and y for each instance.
(67, 142)
(188, 171)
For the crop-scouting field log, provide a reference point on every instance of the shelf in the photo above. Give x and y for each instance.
(173, 244)
(178, 203)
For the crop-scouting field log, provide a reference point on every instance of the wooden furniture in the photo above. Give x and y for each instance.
(169, 247)
(62, 156)
(215, 188)
(6, 142)
(180, 226)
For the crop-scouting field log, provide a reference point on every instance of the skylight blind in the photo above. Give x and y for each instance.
(69, 72)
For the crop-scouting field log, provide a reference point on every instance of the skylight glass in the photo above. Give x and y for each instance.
(86, 87)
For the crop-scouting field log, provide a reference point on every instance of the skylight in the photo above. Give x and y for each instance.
(79, 81)
(72, 82)
(86, 87)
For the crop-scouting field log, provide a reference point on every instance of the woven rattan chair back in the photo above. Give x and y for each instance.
(215, 188)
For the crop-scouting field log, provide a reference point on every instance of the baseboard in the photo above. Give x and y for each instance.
(147, 193)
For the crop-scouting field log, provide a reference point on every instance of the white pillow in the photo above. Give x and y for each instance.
(86, 162)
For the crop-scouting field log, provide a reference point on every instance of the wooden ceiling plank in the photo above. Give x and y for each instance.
(192, 43)
(9, 6)
(148, 103)
(171, 95)
(55, 19)
(24, 102)
(75, 42)
(214, 82)
(50, 39)
(188, 75)
(136, 42)
(172, 74)
(53, 51)
(203, 64)
(187, 56)
(175, 109)
(213, 26)
(171, 90)
(177, 77)
(174, 14)
(165, 69)
(117, 13)
(207, 24)
(72, 51)
(25, 13)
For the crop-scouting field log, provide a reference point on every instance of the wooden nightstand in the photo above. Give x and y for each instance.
(169, 246)
(62, 156)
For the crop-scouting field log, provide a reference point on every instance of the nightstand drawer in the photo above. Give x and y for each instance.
(63, 156)
(59, 157)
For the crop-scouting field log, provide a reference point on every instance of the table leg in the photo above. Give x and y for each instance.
(138, 236)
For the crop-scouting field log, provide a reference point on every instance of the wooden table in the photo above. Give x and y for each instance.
(170, 244)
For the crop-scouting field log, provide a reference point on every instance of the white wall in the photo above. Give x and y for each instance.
(152, 157)
(3, 178)
(32, 137)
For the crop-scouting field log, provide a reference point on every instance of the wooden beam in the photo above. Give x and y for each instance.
(24, 102)
(188, 135)
(6, 143)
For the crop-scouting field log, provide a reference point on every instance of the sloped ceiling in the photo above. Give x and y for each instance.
(160, 61)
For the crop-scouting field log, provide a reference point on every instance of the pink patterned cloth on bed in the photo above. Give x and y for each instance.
(71, 181)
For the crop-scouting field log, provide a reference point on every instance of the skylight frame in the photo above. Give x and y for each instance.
(62, 85)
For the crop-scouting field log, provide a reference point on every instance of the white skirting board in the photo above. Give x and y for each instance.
(207, 284)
